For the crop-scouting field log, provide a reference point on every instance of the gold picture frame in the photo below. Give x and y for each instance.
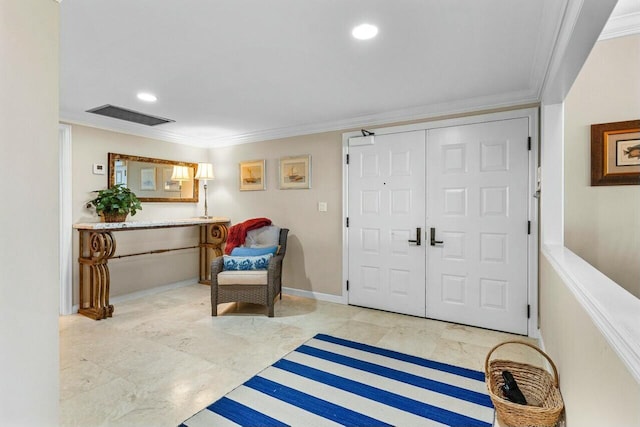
(615, 153)
(252, 175)
(295, 173)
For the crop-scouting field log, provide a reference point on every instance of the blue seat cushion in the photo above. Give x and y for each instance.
(237, 263)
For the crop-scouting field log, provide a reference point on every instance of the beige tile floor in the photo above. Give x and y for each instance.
(162, 358)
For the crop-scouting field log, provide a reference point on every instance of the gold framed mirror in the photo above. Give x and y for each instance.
(154, 180)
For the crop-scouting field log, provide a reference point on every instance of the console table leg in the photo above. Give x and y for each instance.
(212, 236)
(95, 250)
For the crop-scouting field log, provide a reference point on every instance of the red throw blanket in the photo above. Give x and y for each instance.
(238, 232)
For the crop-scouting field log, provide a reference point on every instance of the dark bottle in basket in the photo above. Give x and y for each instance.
(511, 390)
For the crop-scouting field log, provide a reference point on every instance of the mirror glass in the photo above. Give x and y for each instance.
(154, 180)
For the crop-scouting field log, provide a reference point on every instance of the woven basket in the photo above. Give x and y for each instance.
(113, 217)
(544, 402)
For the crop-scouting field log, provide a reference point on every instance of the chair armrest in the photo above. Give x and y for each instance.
(274, 273)
(275, 264)
(216, 267)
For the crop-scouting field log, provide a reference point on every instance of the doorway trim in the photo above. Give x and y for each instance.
(66, 219)
(533, 206)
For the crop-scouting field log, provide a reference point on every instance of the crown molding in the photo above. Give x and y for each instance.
(424, 112)
(504, 100)
(548, 35)
(581, 22)
(620, 26)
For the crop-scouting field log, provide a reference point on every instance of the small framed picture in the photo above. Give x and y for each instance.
(148, 179)
(252, 175)
(628, 151)
(295, 172)
(615, 153)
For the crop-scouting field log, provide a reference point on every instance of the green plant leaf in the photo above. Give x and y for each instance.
(116, 199)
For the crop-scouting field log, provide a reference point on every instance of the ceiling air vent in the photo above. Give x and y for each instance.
(128, 115)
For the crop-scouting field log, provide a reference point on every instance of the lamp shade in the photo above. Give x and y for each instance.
(180, 173)
(205, 172)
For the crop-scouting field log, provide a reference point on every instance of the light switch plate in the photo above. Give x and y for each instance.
(322, 206)
(98, 169)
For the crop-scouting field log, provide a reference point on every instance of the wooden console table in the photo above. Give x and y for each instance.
(97, 244)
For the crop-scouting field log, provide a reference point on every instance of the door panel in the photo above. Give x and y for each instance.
(386, 206)
(477, 202)
(476, 195)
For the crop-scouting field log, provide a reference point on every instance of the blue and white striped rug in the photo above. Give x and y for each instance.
(331, 381)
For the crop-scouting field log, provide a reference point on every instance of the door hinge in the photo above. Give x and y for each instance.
(347, 159)
(529, 143)
(347, 222)
(528, 306)
(528, 227)
(347, 285)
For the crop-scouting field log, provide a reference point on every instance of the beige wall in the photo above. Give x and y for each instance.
(29, 271)
(132, 274)
(314, 251)
(597, 388)
(602, 224)
(314, 254)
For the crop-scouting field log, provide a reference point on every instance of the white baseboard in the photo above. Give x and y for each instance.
(153, 291)
(541, 343)
(314, 295)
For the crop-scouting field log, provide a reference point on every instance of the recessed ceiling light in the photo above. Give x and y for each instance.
(147, 97)
(364, 31)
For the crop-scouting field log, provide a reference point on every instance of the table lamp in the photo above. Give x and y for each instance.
(180, 174)
(205, 173)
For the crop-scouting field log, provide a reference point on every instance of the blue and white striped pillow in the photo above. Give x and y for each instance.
(243, 263)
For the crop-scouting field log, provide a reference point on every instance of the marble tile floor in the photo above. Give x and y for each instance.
(162, 358)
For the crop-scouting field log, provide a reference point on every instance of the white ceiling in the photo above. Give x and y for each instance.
(230, 71)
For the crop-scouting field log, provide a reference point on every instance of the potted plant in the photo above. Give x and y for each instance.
(115, 203)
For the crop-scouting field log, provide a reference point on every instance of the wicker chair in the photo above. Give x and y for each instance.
(263, 289)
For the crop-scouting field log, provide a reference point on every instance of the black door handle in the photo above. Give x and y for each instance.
(418, 240)
(433, 237)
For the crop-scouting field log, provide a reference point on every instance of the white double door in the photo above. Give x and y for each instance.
(438, 224)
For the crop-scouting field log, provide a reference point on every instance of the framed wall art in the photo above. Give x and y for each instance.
(252, 175)
(295, 172)
(615, 153)
(148, 179)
